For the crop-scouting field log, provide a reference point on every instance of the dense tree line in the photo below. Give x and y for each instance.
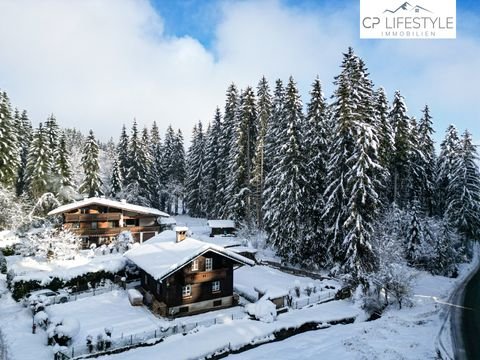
(340, 184)
(322, 181)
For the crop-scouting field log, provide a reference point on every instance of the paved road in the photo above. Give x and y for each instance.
(471, 318)
(465, 319)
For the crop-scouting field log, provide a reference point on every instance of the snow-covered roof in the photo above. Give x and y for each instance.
(222, 224)
(108, 203)
(181, 228)
(271, 292)
(161, 255)
(167, 220)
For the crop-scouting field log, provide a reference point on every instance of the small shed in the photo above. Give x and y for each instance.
(276, 295)
(222, 227)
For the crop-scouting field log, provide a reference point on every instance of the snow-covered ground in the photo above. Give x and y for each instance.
(265, 278)
(8, 239)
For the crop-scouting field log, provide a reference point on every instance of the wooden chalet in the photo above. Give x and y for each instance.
(99, 220)
(185, 275)
(222, 227)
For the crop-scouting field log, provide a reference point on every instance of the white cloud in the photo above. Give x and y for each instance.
(97, 64)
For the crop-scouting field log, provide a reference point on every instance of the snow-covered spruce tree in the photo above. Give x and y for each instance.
(284, 208)
(211, 169)
(386, 146)
(123, 155)
(179, 173)
(415, 169)
(264, 112)
(169, 166)
(52, 132)
(241, 166)
(427, 150)
(194, 186)
(317, 136)
(25, 133)
(136, 184)
(9, 145)
(463, 207)
(63, 173)
(413, 240)
(354, 174)
(449, 151)
(272, 141)
(227, 146)
(399, 166)
(156, 174)
(91, 184)
(115, 180)
(38, 164)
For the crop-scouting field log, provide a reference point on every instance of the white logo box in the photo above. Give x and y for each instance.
(397, 19)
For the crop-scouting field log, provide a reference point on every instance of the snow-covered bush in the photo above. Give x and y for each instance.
(62, 331)
(41, 319)
(263, 310)
(124, 241)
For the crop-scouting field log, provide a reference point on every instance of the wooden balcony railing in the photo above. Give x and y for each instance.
(113, 231)
(92, 217)
(205, 276)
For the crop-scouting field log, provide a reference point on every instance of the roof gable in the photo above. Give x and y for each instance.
(161, 256)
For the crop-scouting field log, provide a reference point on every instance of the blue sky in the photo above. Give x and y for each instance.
(98, 64)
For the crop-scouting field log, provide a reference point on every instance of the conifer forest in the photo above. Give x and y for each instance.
(351, 183)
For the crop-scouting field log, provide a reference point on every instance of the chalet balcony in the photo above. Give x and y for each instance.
(114, 231)
(205, 276)
(92, 217)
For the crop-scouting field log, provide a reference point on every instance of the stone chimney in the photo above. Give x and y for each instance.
(181, 232)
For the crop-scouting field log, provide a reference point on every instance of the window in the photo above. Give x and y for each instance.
(217, 302)
(158, 288)
(215, 286)
(94, 225)
(146, 279)
(208, 264)
(195, 265)
(187, 290)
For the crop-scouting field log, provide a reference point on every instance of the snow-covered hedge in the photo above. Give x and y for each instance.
(23, 284)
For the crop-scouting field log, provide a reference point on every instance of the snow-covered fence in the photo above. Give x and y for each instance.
(315, 298)
(146, 337)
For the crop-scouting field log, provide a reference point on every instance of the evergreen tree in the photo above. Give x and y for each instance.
(123, 156)
(285, 184)
(116, 179)
(463, 207)
(179, 172)
(264, 112)
(25, 133)
(274, 128)
(136, 188)
(427, 150)
(449, 151)
(399, 167)
(241, 166)
(354, 173)
(91, 184)
(317, 137)
(195, 194)
(227, 146)
(157, 173)
(63, 171)
(9, 146)
(211, 170)
(52, 132)
(38, 164)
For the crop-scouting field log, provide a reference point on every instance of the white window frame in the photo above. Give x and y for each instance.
(208, 264)
(216, 286)
(186, 290)
(195, 265)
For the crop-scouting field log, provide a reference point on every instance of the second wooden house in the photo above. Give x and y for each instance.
(99, 220)
(185, 275)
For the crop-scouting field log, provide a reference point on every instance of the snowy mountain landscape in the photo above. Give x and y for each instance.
(306, 216)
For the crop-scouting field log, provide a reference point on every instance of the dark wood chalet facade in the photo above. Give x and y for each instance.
(201, 280)
(100, 220)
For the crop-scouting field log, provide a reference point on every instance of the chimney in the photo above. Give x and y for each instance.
(181, 232)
